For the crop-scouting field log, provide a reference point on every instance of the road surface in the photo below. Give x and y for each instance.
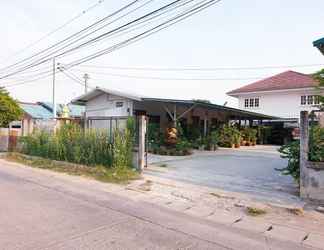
(41, 210)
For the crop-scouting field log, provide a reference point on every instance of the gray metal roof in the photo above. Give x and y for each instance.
(81, 100)
(92, 94)
(212, 106)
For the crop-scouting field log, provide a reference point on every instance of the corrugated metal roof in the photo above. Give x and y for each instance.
(97, 91)
(36, 111)
(75, 110)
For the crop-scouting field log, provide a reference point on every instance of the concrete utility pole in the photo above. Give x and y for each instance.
(54, 96)
(86, 78)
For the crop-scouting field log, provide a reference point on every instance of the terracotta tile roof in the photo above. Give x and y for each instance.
(285, 80)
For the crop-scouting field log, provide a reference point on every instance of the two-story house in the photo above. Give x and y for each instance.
(283, 95)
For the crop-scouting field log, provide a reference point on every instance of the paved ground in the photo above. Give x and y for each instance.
(250, 170)
(44, 210)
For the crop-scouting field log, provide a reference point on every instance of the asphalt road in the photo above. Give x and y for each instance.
(249, 170)
(43, 210)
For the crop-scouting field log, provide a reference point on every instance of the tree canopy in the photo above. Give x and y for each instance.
(319, 76)
(9, 109)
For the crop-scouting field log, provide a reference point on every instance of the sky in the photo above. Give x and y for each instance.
(230, 34)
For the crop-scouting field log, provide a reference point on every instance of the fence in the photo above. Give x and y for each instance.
(111, 124)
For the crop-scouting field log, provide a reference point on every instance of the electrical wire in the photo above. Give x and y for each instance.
(56, 29)
(52, 54)
(73, 35)
(146, 33)
(201, 68)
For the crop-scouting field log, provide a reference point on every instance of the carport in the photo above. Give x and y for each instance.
(202, 114)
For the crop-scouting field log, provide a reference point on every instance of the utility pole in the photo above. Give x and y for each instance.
(86, 78)
(54, 96)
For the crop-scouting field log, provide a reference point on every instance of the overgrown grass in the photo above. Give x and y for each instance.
(88, 147)
(101, 173)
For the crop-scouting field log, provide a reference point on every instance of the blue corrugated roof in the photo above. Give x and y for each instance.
(75, 110)
(36, 111)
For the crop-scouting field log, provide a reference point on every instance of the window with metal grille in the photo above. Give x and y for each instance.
(256, 102)
(252, 102)
(303, 100)
(310, 100)
(246, 103)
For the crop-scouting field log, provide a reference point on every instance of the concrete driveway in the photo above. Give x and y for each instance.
(249, 170)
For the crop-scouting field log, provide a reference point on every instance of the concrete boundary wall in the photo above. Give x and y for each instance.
(311, 173)
(4, 139)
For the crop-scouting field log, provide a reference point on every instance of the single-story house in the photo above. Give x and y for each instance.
(34, 114)
(319, 44)
(40, 115)
(102, 104)
(75, 111)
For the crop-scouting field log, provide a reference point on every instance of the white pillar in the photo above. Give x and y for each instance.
(141, 143)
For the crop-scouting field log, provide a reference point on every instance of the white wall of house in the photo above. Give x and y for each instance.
(109, 105)
(283, 104)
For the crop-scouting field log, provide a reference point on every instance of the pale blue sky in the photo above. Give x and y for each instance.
(233, 33)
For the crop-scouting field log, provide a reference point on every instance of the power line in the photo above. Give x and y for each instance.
(168, 78)
(199, 7)
(200, 68)
(45, 59)
(57, 29)
(73, 35)
(146, 33)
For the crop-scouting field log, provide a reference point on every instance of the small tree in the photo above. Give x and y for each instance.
(319, 76)
(9, 109)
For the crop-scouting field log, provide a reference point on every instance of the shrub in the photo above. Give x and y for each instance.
(316, 145)
(228, 136)
(90, 147)
(291, 152)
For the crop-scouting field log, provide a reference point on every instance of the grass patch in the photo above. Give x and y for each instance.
(253, 211)
(100, 173)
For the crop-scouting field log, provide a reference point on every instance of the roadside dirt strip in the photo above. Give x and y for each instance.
(47, 210)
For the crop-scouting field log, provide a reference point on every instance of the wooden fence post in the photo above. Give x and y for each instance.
(304, 148)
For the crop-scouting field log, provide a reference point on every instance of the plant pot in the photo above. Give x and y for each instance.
(237, 145)
(248, 143)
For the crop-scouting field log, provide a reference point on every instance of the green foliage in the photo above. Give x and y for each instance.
(100, 173)
(316, 144)
(228, 136)
(319, 76)
(9, 109)
(249, 134)
(91, 147)
(291, 152)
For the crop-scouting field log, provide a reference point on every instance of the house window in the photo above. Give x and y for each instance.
(252, 102)
(246, 103)
(256, 102)
(317, 100)
(119, 104)
(310, 100)
(303, 100)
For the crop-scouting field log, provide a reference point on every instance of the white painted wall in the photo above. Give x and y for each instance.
(283, 104)
(105, 105)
